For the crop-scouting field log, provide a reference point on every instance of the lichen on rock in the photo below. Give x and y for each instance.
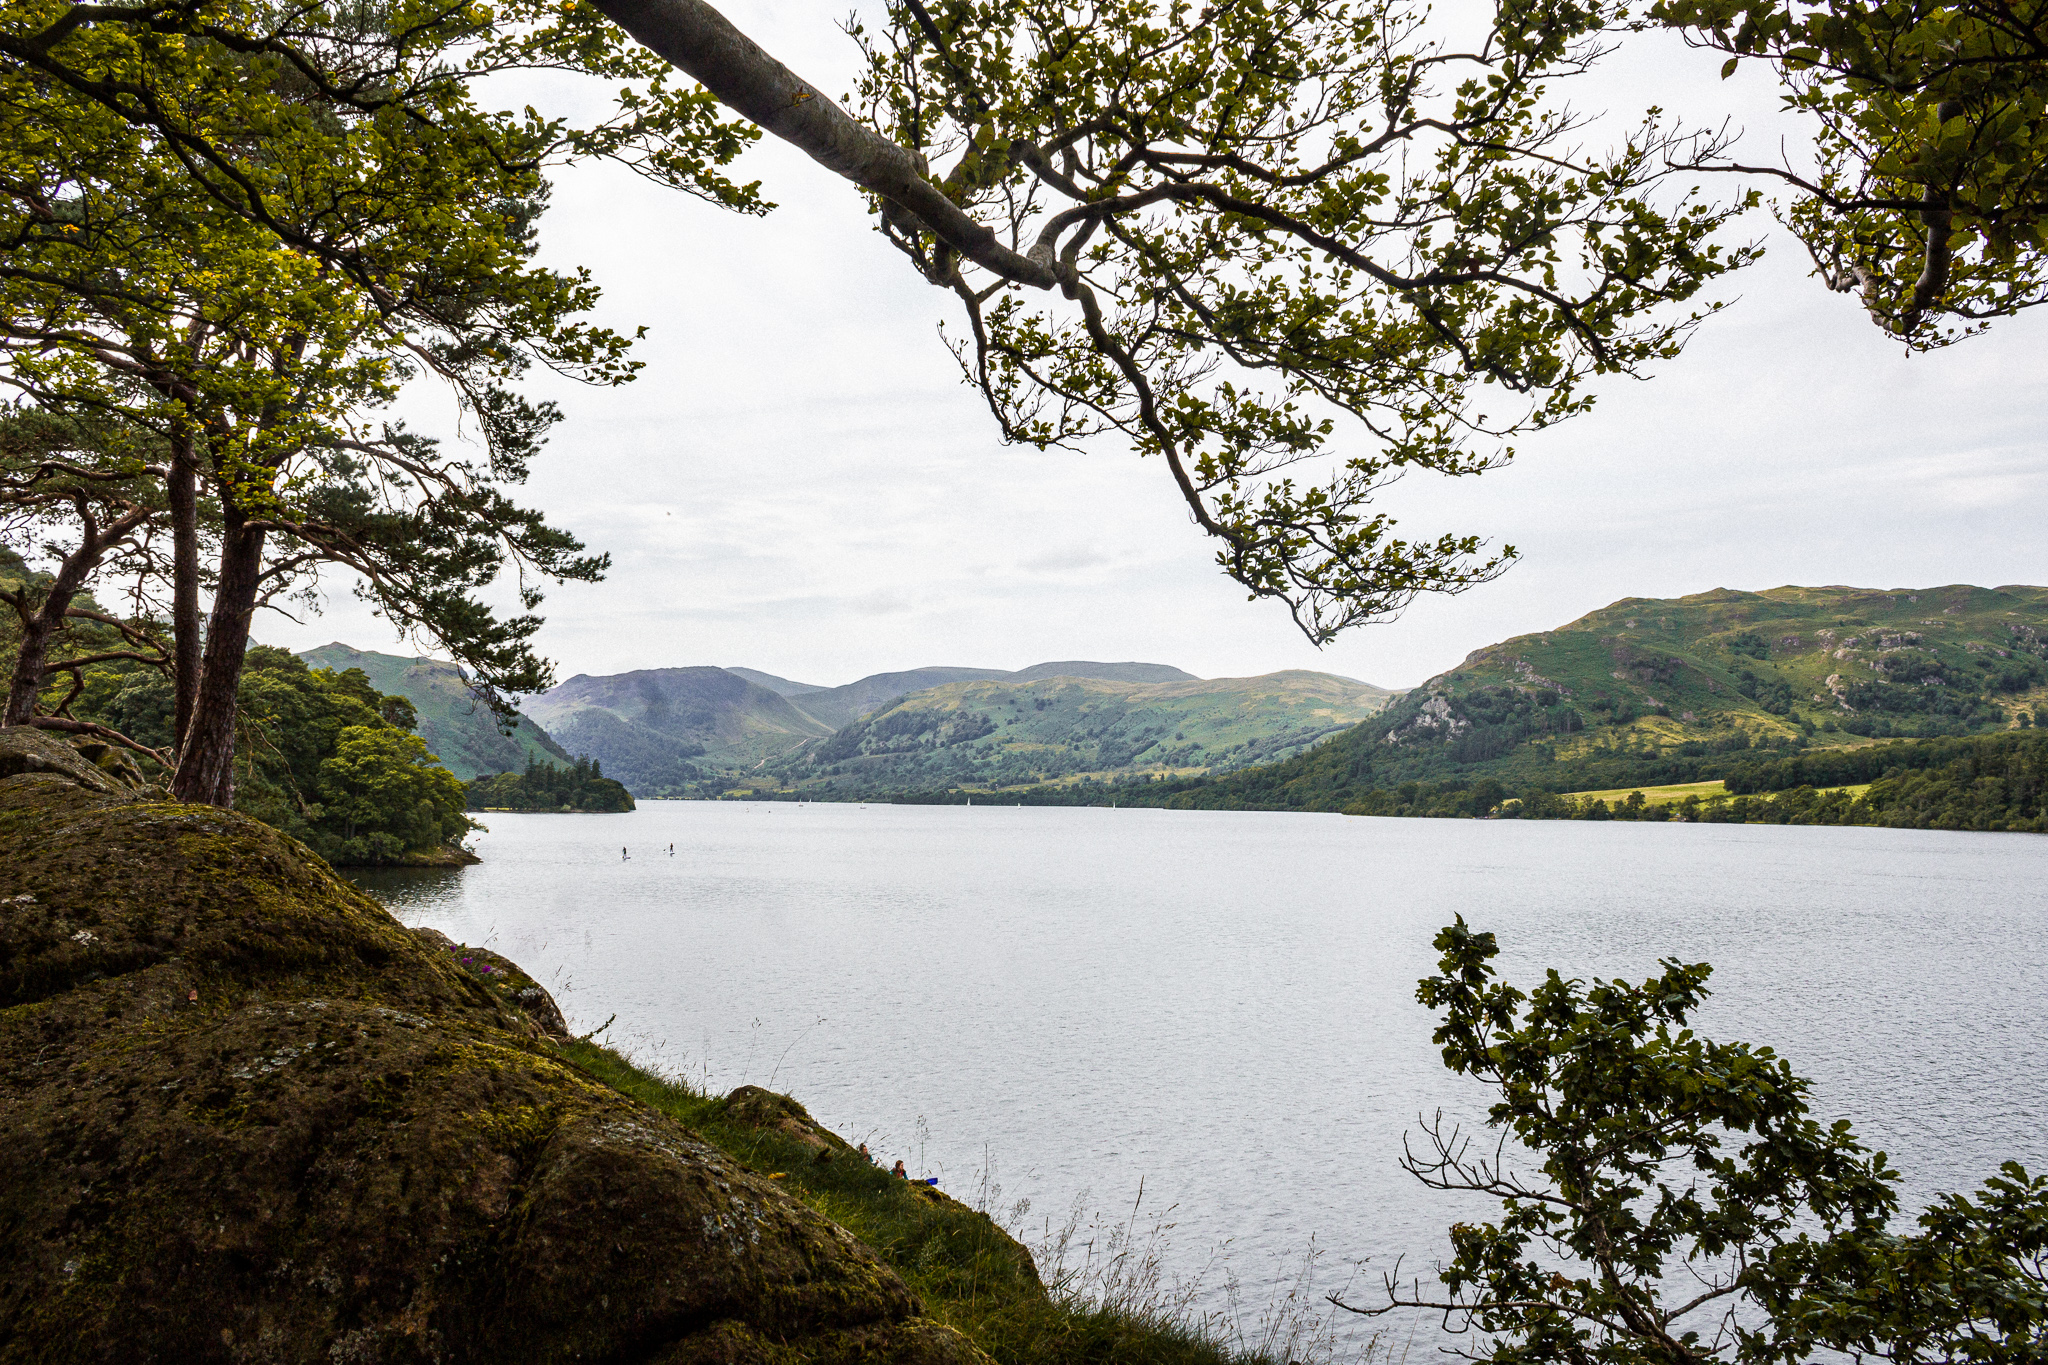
(247, 1115)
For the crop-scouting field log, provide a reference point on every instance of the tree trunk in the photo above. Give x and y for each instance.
(185, 631)
(40, 627)
(699, 41)
(206, 772)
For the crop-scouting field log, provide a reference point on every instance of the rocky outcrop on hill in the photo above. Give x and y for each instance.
(246, 1115)
(506, 979)
(757, 1107)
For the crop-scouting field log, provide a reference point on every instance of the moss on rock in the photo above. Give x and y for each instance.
(755, 1107)
(506, 980)
(246, 1115)
(93, 766)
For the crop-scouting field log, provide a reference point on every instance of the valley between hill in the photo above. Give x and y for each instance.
(707, 732)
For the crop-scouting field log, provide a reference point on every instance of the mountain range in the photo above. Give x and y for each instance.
(997, 734)
(706, 731)
(666, 731)
(839, 707)
(1644, 690)
(701, 731)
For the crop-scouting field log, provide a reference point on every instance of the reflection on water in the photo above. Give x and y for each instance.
(1223, 1003)
(407, 886)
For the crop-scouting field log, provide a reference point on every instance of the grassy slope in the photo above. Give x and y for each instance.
(1000, 734)
(1659, 691)
(1819, 643)
(965, 1273)
(839, 707)
(458, 729)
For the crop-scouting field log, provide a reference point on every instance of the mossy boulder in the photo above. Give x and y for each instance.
(506, 979)
(247, 1115)
(93, 766)
(756, 1107)
(766, 1111)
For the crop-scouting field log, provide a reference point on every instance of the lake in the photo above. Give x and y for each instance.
(1064, 1002)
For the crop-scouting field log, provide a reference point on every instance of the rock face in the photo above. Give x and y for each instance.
(96, 767)
(245, 1115)
(506, 979)
(760, 1108)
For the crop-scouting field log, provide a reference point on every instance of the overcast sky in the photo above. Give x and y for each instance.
(798, 482)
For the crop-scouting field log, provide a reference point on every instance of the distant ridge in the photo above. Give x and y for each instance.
(660, 730)
(704, 731)
(994, 734)
(1125, 672)
(780, 686)
(839, 707)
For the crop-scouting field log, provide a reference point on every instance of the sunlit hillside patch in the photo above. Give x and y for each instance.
(1654, 693)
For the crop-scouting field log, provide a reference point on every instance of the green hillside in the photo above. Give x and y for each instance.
(988, 735)
(667, 731)
(1653, 691)
(839, 707)
(458, 729)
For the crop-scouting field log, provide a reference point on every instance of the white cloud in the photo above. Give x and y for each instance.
(1069, 559)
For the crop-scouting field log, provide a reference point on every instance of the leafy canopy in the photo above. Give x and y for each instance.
(242, 228)
(1929, 201)
(330, 760)
(1290, 231)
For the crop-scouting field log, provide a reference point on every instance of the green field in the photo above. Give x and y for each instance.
(1658, 796)
(1705, 791)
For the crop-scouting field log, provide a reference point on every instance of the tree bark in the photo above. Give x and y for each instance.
(40, 627)
(206, 758)
(702, 43)
(1937, 216)
(183, 487)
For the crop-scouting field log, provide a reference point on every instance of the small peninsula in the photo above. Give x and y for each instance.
(581, 787)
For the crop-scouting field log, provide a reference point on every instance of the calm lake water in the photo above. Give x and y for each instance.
(1222, 1004)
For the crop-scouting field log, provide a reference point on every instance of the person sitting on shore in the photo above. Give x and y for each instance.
(865, 1155)
(900, 1171)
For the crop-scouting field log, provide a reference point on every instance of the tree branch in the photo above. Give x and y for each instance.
(702, 43)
